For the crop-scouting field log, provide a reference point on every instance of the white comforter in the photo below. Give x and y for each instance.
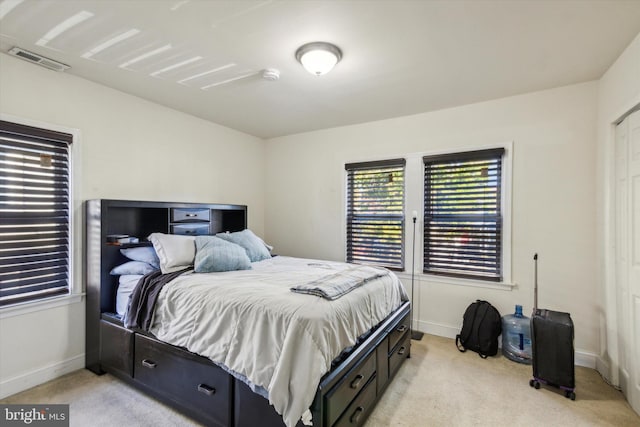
(250, 322)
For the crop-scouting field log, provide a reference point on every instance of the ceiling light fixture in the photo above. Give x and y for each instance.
(318, 58)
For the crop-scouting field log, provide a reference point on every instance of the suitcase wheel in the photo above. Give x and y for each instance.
(570, 395)
(534, 383)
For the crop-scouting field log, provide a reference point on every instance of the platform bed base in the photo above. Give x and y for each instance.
(203, 391)
(193, 384)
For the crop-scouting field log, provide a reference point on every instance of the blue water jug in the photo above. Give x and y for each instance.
(516, 337)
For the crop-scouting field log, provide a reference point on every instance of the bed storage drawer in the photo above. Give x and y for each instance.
(190, 215)
(359, 409)
(398, 332)
(116, 348)
(399, 353)
(353, 383)
(197, 229)
(382, 365)
(192, 381)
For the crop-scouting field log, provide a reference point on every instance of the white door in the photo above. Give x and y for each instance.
(628, 255)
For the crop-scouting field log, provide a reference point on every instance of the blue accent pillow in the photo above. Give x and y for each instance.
(216, 255)
(256, 249)
(133, 267)
(142, 253)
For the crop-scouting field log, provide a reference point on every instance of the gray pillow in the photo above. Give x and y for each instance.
(142, 253)
(216, 255)
(256, 249)
(132, 267)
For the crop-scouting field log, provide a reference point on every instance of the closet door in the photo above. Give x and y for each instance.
(628, 255)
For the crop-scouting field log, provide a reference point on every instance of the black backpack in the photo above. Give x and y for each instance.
(481, 327)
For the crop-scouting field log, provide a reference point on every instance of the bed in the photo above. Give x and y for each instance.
(230, 359)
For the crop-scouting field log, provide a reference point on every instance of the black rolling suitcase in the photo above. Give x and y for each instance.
(552, 347)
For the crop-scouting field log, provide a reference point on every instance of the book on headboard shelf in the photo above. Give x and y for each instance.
(121, 239)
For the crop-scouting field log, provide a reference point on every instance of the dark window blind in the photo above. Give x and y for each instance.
(34, 213)
(463, 214)
(375, 213)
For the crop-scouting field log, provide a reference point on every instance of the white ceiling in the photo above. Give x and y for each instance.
(399, 57)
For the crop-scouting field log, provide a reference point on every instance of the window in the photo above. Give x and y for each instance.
(34, 213)
(463, 214)
(375, 213)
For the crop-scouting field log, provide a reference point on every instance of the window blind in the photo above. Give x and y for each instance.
(375, 213)
(463, 214)
(34, 213)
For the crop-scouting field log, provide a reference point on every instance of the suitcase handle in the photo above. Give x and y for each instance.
(535, 283)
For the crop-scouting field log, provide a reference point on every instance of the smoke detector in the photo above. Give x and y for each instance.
(38, 59)
(271, 74)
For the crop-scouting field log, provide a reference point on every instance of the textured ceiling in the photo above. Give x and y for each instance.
(400, 57)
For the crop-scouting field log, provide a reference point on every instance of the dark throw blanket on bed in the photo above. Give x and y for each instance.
(144, 296)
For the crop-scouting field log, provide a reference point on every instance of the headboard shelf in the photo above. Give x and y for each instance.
(129, 245)
(108, 217)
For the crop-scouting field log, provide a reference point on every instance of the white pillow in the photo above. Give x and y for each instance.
(142, 253)
(127, 284)
(132, 267)
(176, 252)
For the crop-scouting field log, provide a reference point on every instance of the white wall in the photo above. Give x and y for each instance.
(554, 204)
(134, 149)
(128, 149)
(618, 92)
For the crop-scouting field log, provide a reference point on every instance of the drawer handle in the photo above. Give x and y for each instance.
(402, 328)
(402, 350)
(209, 391)
(356, 415)
(149, 363)
(356, 382)
(190, 215)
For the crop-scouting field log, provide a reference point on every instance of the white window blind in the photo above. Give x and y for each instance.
(34, 213)
(463, 214)
(375, 213)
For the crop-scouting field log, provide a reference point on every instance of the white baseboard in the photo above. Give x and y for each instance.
(39, 376)
(586, 359)
(437, 329)
(604, 368)
(582, 358)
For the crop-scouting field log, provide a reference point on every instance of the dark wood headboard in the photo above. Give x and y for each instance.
(106, 218)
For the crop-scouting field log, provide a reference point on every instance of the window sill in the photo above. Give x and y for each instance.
(45, 304)
(502, 286)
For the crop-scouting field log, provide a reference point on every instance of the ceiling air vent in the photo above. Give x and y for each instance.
(38, 59)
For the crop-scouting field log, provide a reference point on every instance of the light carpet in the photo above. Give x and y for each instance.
(437, 386)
